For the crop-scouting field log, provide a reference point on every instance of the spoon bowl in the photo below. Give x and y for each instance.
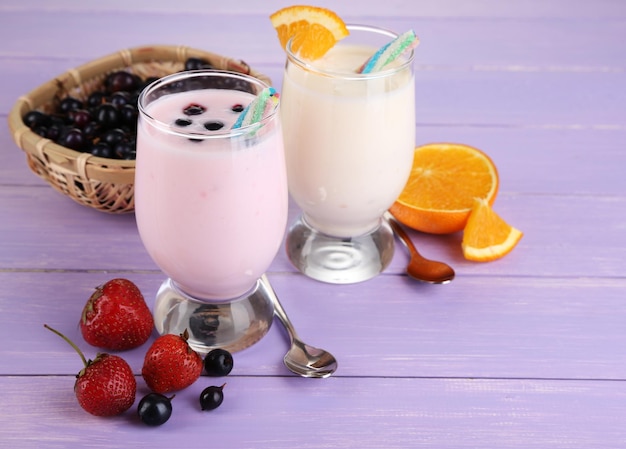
(301, 359)
(419, 267)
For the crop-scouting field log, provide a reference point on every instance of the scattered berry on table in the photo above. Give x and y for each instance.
(218, 362)
(155, 409)
(212, 397)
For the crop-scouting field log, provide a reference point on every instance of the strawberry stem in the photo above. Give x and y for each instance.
(80, 353)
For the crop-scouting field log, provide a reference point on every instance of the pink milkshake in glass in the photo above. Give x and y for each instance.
(211, 205)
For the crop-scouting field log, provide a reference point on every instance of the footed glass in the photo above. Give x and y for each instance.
(211, 205)
(349, 142)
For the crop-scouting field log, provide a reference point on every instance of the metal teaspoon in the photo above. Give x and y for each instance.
(301, 359)
(419, 267)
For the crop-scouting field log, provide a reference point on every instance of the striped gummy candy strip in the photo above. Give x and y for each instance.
(390, 52)
(265, 102)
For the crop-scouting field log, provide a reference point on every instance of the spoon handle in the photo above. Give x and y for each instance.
(279, 311)
(401, 233)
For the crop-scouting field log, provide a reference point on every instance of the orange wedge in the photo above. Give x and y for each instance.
(487, 236)
(440, 192)
(314, 30)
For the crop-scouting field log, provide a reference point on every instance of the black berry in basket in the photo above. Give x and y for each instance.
(197, 64)
(33, 119)
(92, 130)
(128, 114)
(107, 115)
(73, 139)
(102, 149)
(121, 81)
(113, 136)
(125, 150)
(80, 125)
(96, 98)
(120, 98)
(68, 104)
(80, 117)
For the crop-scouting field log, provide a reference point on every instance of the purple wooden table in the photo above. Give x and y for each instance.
(525, 352)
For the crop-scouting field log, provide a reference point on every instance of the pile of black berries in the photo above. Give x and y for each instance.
(105, 123)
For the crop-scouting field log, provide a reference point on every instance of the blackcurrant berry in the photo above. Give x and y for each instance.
(92, 130)
(113, 136)
(237, 108)
(121, 80)
(213, 125)
(182, 122)
(80, 117)
(197, 64)
(128, 114)
(107, 115)
(155, 409)
(96, 98)
(218, 362)
(125, 150)
(102, 149)
(73, 138)
(32, 119)
(120, 98)
(194, 109)
(211, 397)
(69, 104)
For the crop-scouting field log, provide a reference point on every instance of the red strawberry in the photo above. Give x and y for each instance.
(170, 364)
(116, 317)
(106, 386)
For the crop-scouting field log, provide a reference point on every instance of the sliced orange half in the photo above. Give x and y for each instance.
(487, 236)
(444, 180)
(314, 30)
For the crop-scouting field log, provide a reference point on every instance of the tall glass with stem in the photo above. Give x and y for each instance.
(210, 204)
(349, 142)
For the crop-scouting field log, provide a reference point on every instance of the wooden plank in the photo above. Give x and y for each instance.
(79, 238)
(477, 326)
(605, 9)
(332, 413)
(489, 43)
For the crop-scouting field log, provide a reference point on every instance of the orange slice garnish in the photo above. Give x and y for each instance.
(487, 236)
(314, 30)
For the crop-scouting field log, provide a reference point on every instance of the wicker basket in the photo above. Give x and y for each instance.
(100, 183)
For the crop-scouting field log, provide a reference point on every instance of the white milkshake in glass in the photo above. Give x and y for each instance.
(349, 143)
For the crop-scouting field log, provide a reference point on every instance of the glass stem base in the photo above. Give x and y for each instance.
(232, 325)
(339, 260)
